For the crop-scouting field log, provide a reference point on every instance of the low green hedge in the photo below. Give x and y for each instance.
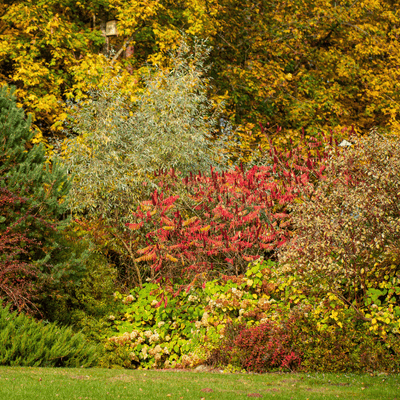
(26, 342)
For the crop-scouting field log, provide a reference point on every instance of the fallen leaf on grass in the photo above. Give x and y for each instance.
(254, 395)
(206, 390)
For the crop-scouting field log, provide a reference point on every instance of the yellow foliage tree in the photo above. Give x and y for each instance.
(299, 63)
(45, 49)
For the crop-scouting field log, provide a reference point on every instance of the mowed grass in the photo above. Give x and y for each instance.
(95, 384)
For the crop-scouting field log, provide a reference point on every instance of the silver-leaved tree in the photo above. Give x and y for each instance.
(117, 145)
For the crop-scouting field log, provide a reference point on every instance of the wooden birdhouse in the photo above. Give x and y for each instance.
(111, 28)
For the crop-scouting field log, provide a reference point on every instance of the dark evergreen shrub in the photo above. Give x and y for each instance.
(26, 342)
(34, 250)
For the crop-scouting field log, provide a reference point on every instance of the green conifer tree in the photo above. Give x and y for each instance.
(33, 203)
(23, 166)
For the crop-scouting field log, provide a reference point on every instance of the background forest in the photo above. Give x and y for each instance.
(203, 181)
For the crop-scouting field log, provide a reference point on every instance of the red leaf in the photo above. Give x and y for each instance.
(158, 304)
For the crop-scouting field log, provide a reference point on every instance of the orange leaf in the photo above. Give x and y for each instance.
(145, 250)
(134, 227)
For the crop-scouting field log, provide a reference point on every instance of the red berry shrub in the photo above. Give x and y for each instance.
(261, 348)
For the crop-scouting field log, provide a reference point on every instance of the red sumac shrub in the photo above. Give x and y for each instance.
(230, 221)
(221, 221)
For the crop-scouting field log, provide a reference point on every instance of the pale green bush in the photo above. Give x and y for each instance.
(120, 144)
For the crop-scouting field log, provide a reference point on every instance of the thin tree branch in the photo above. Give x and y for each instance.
(124, 46)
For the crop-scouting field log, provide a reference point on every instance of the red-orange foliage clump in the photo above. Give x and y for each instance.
(223, 220)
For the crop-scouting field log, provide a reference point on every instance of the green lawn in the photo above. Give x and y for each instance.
(97, 384)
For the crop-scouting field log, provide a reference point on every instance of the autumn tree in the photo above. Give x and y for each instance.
(311, 64)
(49, 51)
(316, 65)
(346, 229)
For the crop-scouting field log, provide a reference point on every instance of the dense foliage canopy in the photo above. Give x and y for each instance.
(311, 64)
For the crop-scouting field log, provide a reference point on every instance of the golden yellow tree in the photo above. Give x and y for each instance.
(312, 64)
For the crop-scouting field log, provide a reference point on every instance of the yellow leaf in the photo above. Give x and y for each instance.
(189, 221)
(173, 259)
